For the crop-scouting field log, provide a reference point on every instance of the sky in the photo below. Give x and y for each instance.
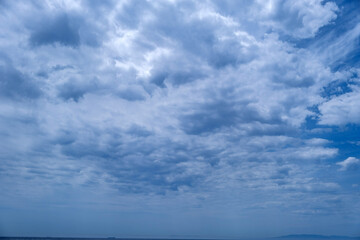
(177, 118)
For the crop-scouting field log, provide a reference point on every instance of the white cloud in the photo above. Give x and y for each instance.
(301, 19)
(341, 110)
(350, 163)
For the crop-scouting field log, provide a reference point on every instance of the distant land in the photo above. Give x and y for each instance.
(287, 237)
(312, 236)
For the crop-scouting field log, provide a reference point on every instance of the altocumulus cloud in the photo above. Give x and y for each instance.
(223, 112)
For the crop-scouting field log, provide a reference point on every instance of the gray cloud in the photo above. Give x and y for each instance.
(16, 85)
(59, 30)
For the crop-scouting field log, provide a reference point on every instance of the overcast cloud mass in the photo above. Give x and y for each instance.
(179, 118)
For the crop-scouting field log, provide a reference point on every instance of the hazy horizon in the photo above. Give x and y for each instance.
(286, 237)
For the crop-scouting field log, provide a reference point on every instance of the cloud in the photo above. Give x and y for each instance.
(180, 80)
(73, 89)
(184, 84)
(341, 110)
(177, 105)
(300, 19)
(15, 85)
(350, 163)
(59, 30)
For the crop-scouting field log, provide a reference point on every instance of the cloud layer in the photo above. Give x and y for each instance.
(195, 106)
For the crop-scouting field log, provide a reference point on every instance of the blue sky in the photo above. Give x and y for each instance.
(179, 118)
